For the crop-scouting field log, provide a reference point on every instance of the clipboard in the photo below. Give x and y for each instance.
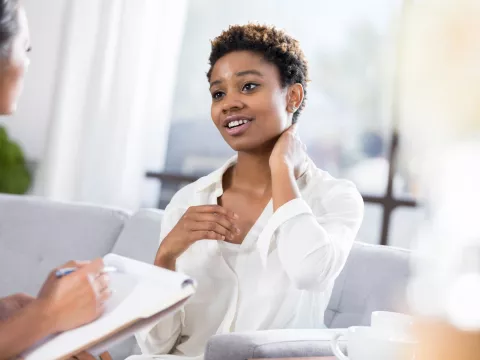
(142, 294)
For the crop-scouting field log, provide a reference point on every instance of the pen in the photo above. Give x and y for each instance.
(65, 271)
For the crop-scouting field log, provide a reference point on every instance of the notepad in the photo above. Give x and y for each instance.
(142, 294)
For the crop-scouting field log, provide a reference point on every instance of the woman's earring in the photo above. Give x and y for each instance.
(293, 109)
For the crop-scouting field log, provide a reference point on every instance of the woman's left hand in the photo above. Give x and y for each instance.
(289, 153)
(13, 303)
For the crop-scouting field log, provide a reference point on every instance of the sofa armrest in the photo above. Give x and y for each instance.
(271, 343)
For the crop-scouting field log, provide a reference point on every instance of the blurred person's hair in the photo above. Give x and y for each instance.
(9, 25)
(273, 44)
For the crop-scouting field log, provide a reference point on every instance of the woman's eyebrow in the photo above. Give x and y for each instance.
(216, 82)
(238, 74)
(249, 72)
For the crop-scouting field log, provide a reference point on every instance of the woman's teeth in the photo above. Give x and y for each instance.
(236, 123)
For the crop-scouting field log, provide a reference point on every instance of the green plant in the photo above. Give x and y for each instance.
(15, 177)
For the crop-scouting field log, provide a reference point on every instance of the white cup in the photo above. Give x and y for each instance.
(393, 325)
(365, 343)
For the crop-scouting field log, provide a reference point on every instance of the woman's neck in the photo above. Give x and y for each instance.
(252, 172)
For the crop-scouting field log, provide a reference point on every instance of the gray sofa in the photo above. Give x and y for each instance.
(374, 278)
(37, 235)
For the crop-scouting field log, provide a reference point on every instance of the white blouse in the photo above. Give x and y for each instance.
(280, 277)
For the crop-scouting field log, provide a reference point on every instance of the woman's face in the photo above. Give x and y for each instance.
(13, 67)
(249, 105)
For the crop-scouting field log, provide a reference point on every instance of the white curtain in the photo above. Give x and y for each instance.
(111, 112)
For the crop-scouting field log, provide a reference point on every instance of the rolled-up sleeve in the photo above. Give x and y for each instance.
(313, 241)
(163, 337)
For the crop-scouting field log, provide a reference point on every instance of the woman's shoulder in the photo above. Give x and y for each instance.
(326, 193)
(321, 182)
(182, 196)
(187, 194)
(199, 190)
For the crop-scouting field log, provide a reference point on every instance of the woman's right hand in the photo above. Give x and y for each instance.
(75, 299)
(209, 222)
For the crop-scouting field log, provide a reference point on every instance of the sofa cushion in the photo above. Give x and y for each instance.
(270, 344)
(374, 278)
(140, 237)
(139, 240)
(37, 235)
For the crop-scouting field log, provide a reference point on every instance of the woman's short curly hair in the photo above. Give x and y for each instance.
(273, 44)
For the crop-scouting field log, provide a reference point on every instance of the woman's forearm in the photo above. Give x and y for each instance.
(24, 329)
(284, 187)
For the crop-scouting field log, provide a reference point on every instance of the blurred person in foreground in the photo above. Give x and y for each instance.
(267, 234)
(440, 122)
(65, 303)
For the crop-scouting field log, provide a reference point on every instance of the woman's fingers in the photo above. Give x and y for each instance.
(206, 235)
(211, 219)
(213, 227)
(214, 209)
(210, 222)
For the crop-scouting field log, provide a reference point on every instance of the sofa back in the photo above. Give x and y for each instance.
(140, 237)
(37, 235)
(374, 278)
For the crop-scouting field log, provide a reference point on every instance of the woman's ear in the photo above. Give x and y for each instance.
(294, 97)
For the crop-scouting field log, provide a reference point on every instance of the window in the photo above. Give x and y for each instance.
(347, 124)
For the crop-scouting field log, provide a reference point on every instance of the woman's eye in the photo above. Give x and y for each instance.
(217, 95)
(249, 87)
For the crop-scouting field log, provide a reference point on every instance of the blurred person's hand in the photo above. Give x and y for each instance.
(83, 356)
(13, 303)
(75, 299)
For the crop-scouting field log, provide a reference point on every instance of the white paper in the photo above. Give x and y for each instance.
(141, 293)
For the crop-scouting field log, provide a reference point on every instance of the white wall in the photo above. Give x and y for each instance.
(29, 125)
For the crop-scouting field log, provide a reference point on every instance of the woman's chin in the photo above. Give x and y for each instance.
(249, 144)
(240, 148)
(242, 145)
(251, 148)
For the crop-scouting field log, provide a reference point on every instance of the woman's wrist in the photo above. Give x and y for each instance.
(284, 186)
(166, 263)
(165, 258)
(281, 167)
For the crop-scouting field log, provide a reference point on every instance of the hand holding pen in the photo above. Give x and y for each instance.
(64, 271)
(75, 294)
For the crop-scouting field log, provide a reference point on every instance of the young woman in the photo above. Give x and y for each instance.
(266, 234)
(65, 303)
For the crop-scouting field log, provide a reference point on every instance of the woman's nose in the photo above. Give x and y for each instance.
(231, 103)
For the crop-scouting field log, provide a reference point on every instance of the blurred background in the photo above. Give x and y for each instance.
(116, 108)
